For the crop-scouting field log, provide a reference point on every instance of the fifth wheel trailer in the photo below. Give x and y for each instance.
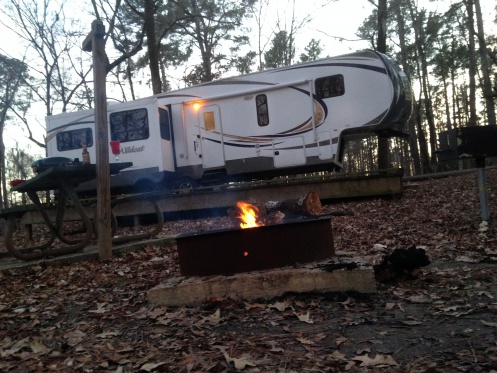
(280, 121)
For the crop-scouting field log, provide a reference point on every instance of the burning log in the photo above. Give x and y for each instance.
(257, 213)
(248, 214)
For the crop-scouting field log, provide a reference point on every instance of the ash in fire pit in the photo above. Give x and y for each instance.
(302, 239)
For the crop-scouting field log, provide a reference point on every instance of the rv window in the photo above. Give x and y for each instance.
(130, 125)
(74, 139)
(165, 130)
(209, 121)
(330, 86)
(262, 111)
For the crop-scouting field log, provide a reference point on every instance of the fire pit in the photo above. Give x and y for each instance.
(229, 251)
(282, 252)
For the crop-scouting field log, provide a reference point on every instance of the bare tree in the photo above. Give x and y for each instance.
(259, 13)
(147, 14)
(287, 31)
(19, 162)
(54, 56)
(14, 100)
(425, 31)
(143, 25)
(211, 25)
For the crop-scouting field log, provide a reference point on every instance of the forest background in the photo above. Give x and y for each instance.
(448, 49)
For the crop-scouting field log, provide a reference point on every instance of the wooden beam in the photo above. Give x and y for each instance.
(95, 43)
(181, 291)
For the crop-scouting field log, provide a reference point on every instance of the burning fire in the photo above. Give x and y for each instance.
(248, 215)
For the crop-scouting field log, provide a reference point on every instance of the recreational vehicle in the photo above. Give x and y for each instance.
(280, 121)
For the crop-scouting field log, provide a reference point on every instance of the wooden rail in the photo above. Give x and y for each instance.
(328, 187)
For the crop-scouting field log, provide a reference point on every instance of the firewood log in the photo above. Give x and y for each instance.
(274, 217)
(310, 204)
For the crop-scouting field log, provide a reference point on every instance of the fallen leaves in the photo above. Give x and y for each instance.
(239, 363)
(213, 319)
(26, 348)
(280, 306)
(150, 367)
(74, 337)
(378, 361)
(306, 317)
(94, 316)
(489, 323)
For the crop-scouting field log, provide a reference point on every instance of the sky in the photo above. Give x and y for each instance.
(334, 23)
(336, 20)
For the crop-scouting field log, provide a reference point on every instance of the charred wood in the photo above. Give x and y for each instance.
(274, 217)
(309, 205)
(401, 264)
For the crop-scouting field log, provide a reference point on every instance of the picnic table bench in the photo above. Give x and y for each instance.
(65, 180)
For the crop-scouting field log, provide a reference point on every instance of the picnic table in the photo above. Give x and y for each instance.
(65, 180)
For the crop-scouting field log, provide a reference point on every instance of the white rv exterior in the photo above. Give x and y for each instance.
(280, 121)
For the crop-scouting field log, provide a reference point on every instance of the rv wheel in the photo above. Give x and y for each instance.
(185, 185)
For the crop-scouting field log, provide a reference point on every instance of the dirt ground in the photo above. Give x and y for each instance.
(93, 316)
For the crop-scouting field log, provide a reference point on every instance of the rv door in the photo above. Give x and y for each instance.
(211, 136)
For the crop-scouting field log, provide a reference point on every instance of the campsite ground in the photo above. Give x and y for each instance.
(93, 316)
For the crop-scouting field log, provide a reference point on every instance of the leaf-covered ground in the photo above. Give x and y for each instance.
(93, 316)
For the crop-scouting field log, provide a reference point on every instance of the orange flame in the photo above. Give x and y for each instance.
(248, 215)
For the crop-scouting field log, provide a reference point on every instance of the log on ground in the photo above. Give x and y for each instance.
(181, 291)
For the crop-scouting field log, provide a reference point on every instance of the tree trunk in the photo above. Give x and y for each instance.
(446, 99)
(485, 67)
(455, 100)
(152, 47)
(205, 50)
(413, 143)
(383, 143)
(427, 101)
(423, 63)
(423, 144)
(382, 26)
(472, 64)
(3, 191)
(129, 75)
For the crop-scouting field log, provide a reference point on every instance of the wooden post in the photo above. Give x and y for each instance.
(95, 43)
